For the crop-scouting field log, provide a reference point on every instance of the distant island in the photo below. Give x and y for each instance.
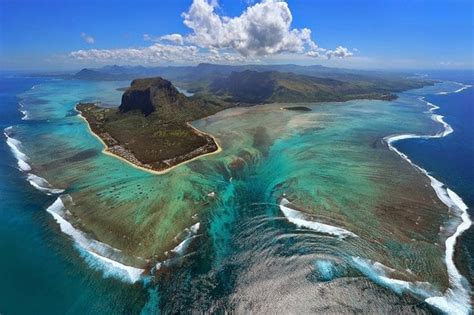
(152, 126)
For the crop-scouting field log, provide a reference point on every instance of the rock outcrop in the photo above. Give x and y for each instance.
(147, 95)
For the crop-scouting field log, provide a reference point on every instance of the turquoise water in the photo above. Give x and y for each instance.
(332, 164)
(40, 270)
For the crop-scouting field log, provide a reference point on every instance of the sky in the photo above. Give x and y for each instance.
(376, 34)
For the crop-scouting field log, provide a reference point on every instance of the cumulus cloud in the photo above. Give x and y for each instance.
(87, 38)
(263, 29)
(339, 52)
(152, 54)
(172, 38)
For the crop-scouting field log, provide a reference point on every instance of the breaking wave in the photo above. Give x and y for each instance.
(189, 235)
(42, 184)
(15, 147)
(23, 111)
(463, 87)
(191, 232)
(98, 255)
(299, 219)
(456, 299)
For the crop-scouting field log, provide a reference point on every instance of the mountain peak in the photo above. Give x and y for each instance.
(148, 94)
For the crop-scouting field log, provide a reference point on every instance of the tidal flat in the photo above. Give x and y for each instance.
(332, 164)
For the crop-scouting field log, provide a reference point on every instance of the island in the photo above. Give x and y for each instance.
(150, 129)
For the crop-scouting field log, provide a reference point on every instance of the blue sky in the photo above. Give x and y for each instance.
(59, 35)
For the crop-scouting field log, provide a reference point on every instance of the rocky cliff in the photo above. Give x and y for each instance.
(149, 95)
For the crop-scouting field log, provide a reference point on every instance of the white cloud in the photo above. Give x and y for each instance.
(152, 54)
(87, 38)
(339, 52)
(174, 38)
(261, 31)
(157, 53)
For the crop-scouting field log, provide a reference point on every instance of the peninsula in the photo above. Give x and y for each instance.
(151, 128)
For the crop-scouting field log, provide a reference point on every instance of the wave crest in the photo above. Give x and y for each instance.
(98, 255)
(299, 219)
(456, 300)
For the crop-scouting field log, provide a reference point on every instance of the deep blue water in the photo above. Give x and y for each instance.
(450, 159)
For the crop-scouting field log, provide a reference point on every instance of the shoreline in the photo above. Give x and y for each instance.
(457, 295)
(86, 246)
(106, 151)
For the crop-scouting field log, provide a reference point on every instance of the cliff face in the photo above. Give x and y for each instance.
(148, 95)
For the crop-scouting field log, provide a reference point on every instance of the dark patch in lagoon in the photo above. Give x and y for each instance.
(298, 108)
(82, 155)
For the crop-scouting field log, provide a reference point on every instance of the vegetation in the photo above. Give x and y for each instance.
(150, 127)
(269, 87)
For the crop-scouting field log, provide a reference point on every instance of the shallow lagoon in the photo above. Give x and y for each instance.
(331, 163)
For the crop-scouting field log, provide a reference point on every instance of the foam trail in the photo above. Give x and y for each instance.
(25, 114)
(377, 272)
(94, 251)
(456, 300)
(42, 184)
(23, 111)
(15, 146)
(181, 248)
(298, 218)
(35, 181)
(463, 87)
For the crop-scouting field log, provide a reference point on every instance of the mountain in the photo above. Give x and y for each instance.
(150, 127)
(147, 95)
(268, 83)
(159, 98)
(271, 86)
(211, 71)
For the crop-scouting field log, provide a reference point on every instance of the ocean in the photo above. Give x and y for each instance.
(450, 158)
(249, 252)
(40, 271)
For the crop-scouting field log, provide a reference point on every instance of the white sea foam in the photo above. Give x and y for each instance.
(299, 219)
(456, 299)
(15, 146)
(191, 232)
(25, 114)
(463, 87)
(42, 184)
(98, 255)
(35, 180)
(377, 272)
(180, 249)
(23, 111)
